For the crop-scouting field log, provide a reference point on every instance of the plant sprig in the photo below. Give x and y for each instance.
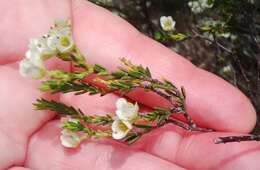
(127, 78)
(127, 123)
(64, 110)
(81, 121)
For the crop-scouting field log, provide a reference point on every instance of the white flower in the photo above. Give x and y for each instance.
(65, 40)
(167, 23)
(60, 36)
(71, 139)
(62, 40)
(205, 4)
(34, 57)
(32, 68)
(126, 111)
(120, 128)
(209, 22)
(40, 45)
(226, 69)
(196, 7)
(199, 6)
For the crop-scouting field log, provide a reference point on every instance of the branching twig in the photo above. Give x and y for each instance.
(237, 139)
(218, 45)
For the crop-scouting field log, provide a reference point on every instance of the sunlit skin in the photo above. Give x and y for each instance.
(31, 138)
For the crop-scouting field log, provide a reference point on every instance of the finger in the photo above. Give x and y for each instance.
(19, 24)
(90, 156)
(199, 152)
(175, 145)
(18, 119)
(211, 101)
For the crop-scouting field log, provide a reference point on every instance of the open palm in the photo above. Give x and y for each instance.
(30, 139)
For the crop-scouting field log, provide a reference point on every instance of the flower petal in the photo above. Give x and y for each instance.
(68, 141)
(71, 139)
(126, 110)
(40, 45)
(120, 129)
(34, 57)
(28, 68)
(120, 103)
(167, 23)
(65, 44)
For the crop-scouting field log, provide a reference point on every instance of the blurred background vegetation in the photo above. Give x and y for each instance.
(221, 36)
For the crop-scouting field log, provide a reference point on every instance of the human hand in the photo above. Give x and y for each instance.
(31, 138)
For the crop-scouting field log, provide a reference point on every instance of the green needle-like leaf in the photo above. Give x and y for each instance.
(61, 108)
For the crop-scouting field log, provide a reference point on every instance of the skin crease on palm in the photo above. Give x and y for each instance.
(30, 139)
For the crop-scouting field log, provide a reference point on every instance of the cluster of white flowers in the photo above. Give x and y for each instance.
(70, 139)
(57, 40)
(127, 114)
(167, 23)
(198, 6)
(209, 22)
